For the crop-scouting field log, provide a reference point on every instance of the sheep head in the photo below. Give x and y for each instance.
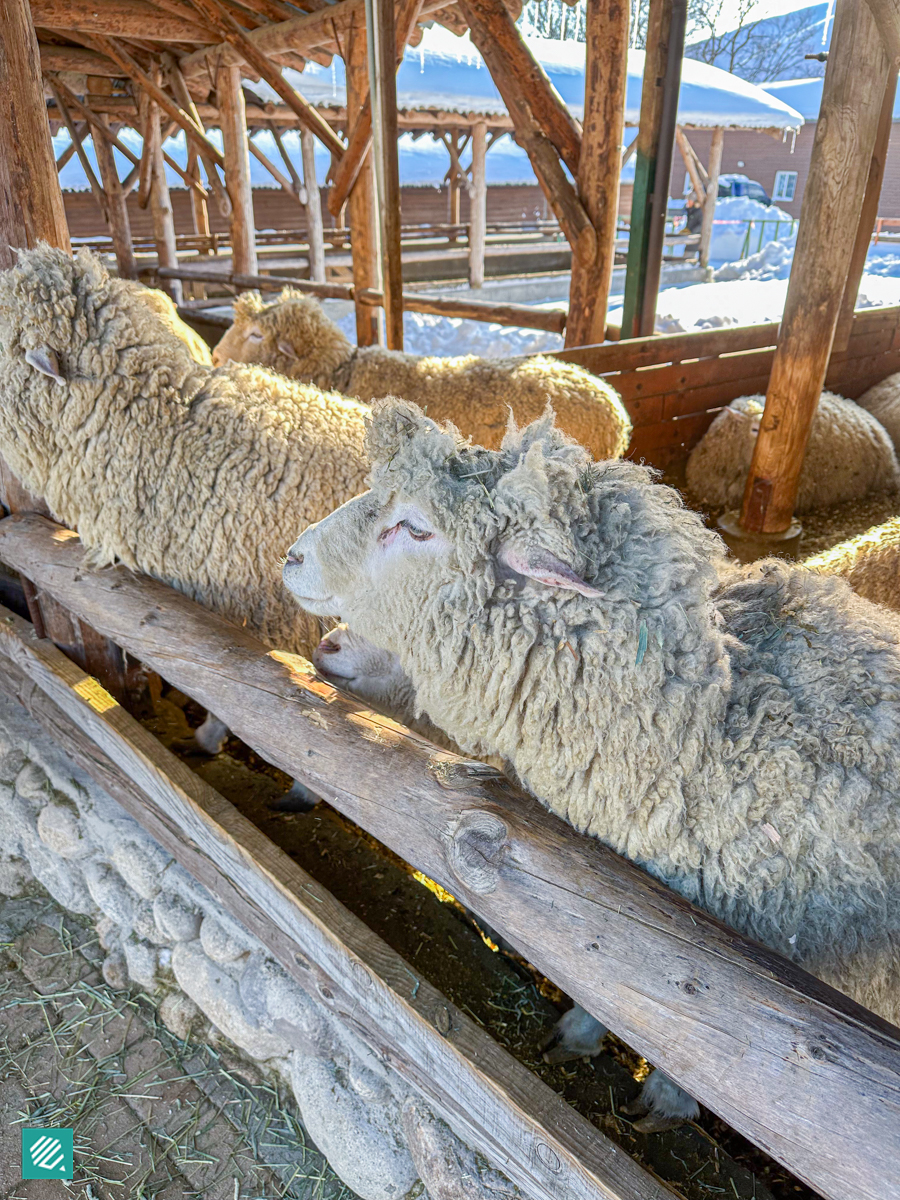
(292, 335)
(456, 547)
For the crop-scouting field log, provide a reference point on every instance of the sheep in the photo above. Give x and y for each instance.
(849, 455)
(164, 307)
(191, 474)
(735, 731)
(883, 402)
(870, 563)
(294, 336)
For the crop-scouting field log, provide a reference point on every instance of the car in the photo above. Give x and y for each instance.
(740, 185)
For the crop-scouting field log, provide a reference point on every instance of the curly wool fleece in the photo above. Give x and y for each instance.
(849, 455)
(734, 732)
(196, 476)
(870, 563)
(293, 335)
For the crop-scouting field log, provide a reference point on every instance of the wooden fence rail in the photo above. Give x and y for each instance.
(808, 1075)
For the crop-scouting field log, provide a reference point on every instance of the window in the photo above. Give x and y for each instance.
(785, 185)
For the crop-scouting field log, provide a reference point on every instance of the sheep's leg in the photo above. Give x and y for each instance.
(211, 735)
(298, 799)
(667, 1105)
(575, 1035)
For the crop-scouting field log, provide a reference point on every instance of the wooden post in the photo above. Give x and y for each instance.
(659, 110)
(361, 202)
(232, 112)
(868, 216)
(454, 194)
(161, 204)
(600, 165)
(852, 99)
(314, 227)
(712, 193)
(116, 207)
(382, 57)
(478, 205)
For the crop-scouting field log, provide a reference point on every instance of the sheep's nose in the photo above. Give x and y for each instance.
(295, 558)
(327, 647)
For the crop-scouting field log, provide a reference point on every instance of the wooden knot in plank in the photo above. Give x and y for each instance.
(475, 843)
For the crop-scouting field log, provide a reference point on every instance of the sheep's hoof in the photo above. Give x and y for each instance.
(635, 1108)
(298, 800)
(575, 1035)
(190, 746)
(656, 1123)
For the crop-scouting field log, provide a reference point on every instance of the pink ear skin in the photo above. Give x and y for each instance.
(287, 349)
(539, 564)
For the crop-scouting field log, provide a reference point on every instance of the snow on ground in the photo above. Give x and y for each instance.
(444, 337)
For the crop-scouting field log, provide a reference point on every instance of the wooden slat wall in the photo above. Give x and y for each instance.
(674, 386)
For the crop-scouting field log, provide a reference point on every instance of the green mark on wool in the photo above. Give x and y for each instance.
(642, 644)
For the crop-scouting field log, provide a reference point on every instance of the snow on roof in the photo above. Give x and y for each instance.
(806, 96)
(447, 73)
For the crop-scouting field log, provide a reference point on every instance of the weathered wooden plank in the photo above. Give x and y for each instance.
(806, 1073)
(684, 432)
(688, 376)
(649, 351)
(493, 1101)
(124, 18)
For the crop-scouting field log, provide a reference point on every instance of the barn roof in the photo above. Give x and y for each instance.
(806, 96)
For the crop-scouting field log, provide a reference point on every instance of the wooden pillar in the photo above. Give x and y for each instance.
(116, 207)
(382, 56)
(454, 195)
(478, 205)
(712, 193)
(361, 203)
(31, 211)
(653, 166)
(315, 227)
(233, 116)
(600, 165)
(855, 81)
(868, 216)
(163, 219)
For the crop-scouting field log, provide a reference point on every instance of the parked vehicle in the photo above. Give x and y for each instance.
(740, 185)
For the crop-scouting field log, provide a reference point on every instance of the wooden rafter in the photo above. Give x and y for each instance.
(126, 18)
(286, 184)
(695, 168)
(69, 151)
(96, 188)
(307, 115)
(184, 98)
(285, 157)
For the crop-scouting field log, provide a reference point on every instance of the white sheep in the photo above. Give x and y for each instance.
(164, 306)
(194, 475)
(293, 335)
(883, 402)
(870, 563)
(849, 455)
(735, 731)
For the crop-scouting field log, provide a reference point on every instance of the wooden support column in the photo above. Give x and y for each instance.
(454, 193)
(600, 165)
(382, 56)
(116, 207)
(868, 216)
(314, 226)
(659, 110)
(32, 211)
(712, 193)
(478, 205)
(233, 116)
(361, 202)
(852, 100)
(161, 208)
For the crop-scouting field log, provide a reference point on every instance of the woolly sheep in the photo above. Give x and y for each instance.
(849, 455)
(734, 731)
(164, 307)
(870, 563)
(194, 475)
(294, 336)
(883, 402)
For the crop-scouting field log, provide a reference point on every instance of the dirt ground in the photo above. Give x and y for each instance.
(154, 1118)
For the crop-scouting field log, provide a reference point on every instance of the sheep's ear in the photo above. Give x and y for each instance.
(285, 348)
(45, 360)
(539, 564)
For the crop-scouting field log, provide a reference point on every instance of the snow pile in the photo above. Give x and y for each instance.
(735, 215)
(772, 262)
(446, 337)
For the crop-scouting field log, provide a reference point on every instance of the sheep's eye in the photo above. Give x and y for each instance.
(254, 336)
(418, 535)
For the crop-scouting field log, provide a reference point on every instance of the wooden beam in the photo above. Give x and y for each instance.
(716, 147)
(184, 98)
(519, 77)
(237, 168)
(286, 158)
(600, 169)
(150, 133)
(229, 29)
(77, 60)
(161, 206)
(382, 59)
(96, 187)
(361, 214)
(868, 216)
(490, 1099)
(193, 131)
(478, 205)
(666, 24)
(842, 152)
(692, 164)
(69, 151)
(744, 1030)
(116, 206)
(124, 18)
(314, 226)
(887, 18)
(286, 185)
